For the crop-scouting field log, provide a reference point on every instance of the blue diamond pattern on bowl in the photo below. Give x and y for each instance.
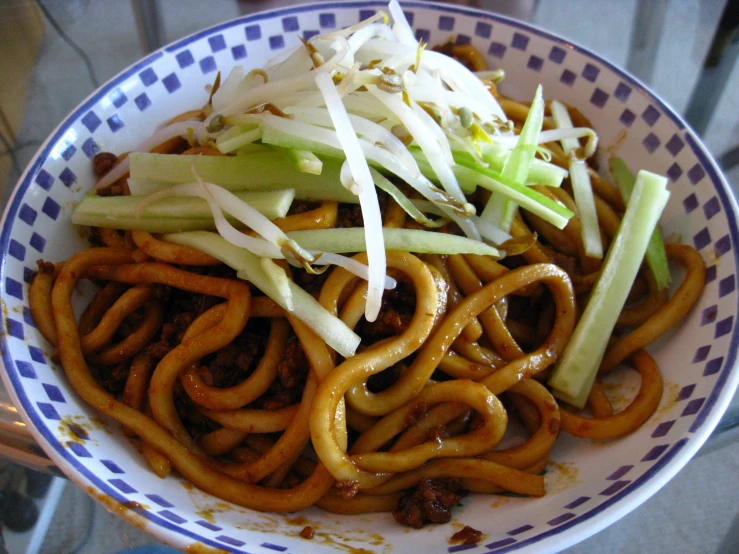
(67, 177)
(159, 500)
(253, 32)
(208, 525)
(713, 367)
(90, 147)
(590, 72)
(26, 370)
(37, 242)
(275, 547)
(217, 43)
(112, 466)
(121, 485)
(13, 288)
(662, 429)
(599, 98)
(627, 117)
(171, 82)
(655, 452)
(29, 321)
(118, 98)
(693, 406)
(207, 64)
(622, 92)
(483, 29)
(701, 354)
(238, 52)
(50, 208)
(327, 20)
(497, 49)
(80, 451)
(568, 77)
(696, 173)
(230, 540)
(148, 77)
(650, 115)
(535, 63)
(651, 142)
(142, 101)
(185, 59)
(557, 54)
(91, 121)
(520, 41)
(446, 23)
(44, 180)
(17, 250)
(115, 122)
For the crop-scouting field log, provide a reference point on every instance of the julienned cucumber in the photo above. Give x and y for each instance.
(408, 240)
(576, 370)
(169, 215)
(262, 171)
(306, 308)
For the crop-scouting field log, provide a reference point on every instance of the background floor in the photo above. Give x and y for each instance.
(697, 511)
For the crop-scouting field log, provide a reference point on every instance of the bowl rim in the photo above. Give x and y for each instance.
(559, 537)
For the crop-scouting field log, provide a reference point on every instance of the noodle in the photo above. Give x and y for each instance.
(233, 391)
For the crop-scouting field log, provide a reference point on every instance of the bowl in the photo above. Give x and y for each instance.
(590, 485)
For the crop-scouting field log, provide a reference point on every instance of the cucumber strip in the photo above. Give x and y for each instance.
(304, 161)
(279, 279)
(576, 370)
(254, 172)
(231, 144)
(523, 196)
(404, 202)
(581, 186)
(408, 240)
(499, 209)
(656, 254)
(170, 214)
(540, 173)
(306, 308)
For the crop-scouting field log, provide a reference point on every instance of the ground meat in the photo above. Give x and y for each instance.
(349, 215)
(45, 267)
(310, 282)
(172, 333)
(130, 324)
(292, 372)
(429, 502)
(103, 162)
(384, 379)
(347, 489)
(301, 206)
(468, 535)
(195, 423)
(234, 363)
(112, 378)
(568, 263)
(398, 306)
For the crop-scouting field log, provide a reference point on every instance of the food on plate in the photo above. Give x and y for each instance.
(340, 280)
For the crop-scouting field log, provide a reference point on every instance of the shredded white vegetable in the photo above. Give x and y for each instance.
(369, 95)
(360, 174)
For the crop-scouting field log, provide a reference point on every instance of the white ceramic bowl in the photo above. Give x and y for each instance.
(590, 485)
